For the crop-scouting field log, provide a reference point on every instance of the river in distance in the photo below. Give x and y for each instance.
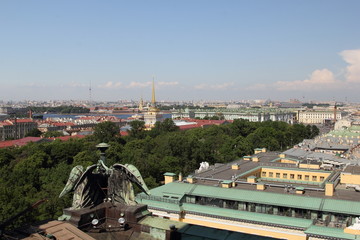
(74, 116)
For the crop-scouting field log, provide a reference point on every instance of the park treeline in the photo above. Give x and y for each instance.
(60, 109)
(40, 170)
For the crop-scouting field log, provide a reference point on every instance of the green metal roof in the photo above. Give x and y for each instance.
(340, 206)
(226, 181)
(329, 232)
(174, 187)
(241, 215)
(261, 197)
(158, 204)
(288, 200)
(344, 133)
(169, 174)
(249, 216)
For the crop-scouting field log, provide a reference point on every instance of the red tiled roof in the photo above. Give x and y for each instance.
(87, 118)
(5, 124)
(25, 120)
(19, 142)
(124, 133)
(4, 144)
(190, 126)
(200, 123)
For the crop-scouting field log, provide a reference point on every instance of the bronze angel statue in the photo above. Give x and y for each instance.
(98, 183)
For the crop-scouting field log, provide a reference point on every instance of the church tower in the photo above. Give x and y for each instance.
(153, 114)
(141, 105)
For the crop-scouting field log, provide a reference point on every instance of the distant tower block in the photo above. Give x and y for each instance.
(153, 115)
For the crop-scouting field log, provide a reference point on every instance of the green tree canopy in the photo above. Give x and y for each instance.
(137, 129)
(40, 170)
(106, 131)
(165, 126)
(51, 134)
(34, 133)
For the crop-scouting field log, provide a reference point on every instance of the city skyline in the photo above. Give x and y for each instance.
(202, 50)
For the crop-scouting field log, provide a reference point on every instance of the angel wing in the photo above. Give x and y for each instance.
(133, 175)
(120, 187)
(74, 177)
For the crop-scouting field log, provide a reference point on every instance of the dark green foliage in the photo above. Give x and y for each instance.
(34, 133)
(106, 131)
(137, 129)
(166, 126)
(60, 109)
(52, 134)
(38, 171)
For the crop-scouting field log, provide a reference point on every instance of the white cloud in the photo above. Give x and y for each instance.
(111, 84)
(149, 83)
(222, 86)
(322, 79)
(201, 86)
(258, 86)
(75, 85)
(133, 84)
(139, 84)
(319, 79)
(352, 57)
(168, 83)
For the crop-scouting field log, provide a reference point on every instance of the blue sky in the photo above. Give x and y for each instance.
(197, 50)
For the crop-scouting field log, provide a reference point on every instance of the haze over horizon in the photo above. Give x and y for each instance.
(196, 50)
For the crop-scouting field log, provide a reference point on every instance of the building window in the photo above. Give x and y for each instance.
(314, 178)
(263, 174)
(271, 174)
(322, 179)
(278, 175)
(292, 176)
(299, 176)
(307, 177)
(284, 175)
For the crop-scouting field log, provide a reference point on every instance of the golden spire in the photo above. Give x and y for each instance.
(153, 102)
(153, 107)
